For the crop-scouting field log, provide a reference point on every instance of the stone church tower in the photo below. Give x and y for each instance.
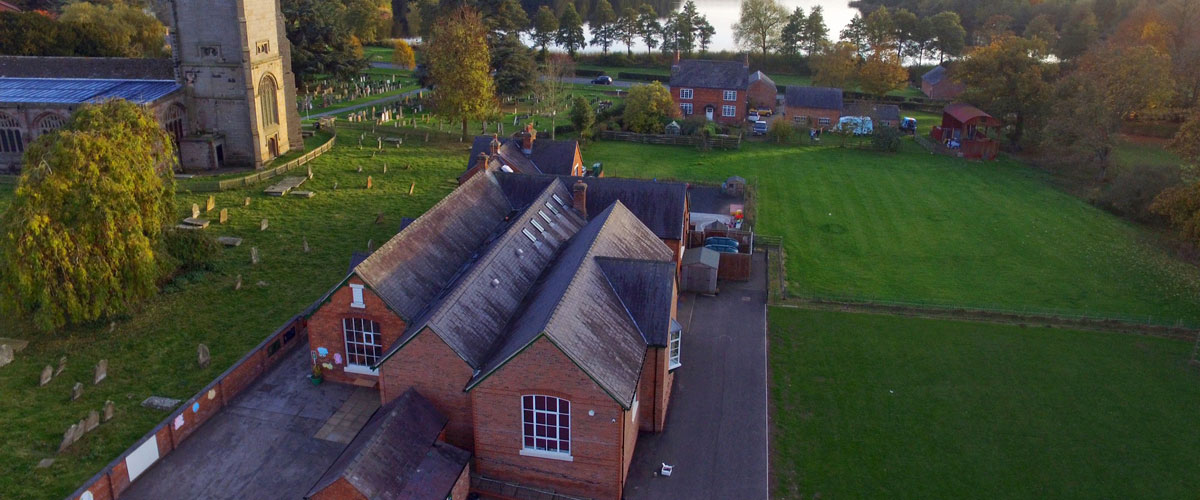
(234, 60)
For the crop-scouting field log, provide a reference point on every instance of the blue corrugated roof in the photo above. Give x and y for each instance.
(75, 91)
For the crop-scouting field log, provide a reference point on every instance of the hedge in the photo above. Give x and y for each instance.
(645, 77)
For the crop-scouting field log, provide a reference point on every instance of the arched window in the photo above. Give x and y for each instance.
(50, 123)
(173, 122)
(546, 426)
(10, 135)
(268, 101)
(364, 346)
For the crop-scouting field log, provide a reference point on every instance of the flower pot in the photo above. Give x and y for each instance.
(316, 379)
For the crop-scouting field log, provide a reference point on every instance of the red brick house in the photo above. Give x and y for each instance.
(540, 327)
(524, 153)
(937, 84)
(814, 107)
(713, 89)
(762, 91)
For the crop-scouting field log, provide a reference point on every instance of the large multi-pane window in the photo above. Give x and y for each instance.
(728, 110)
(730, 95)
(676, 340)
(268, 101)
(686, 108)
(546, 426)
(685, 93)
(50, 123)
(10, 135)
(173, 122)
(363, 344)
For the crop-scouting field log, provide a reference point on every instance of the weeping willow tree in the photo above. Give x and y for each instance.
(83, 237)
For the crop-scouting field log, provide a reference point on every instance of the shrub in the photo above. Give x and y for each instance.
(193, 249)
(648, 107)
(781, 132)
(1133, 190)
(885, 139)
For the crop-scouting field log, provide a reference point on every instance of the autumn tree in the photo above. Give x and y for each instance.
(759, 25)
(582, 117)
(837, 66)
(458, 60)
(1181, 206)
(322, 42)
(881, 73)
(545, 27)
(403, 55)
(1186, 142)
(1005, 79)
(570, 30)
(137, 32)
(647, 107)
(83, 238)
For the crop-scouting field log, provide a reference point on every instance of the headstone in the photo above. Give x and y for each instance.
(224, 215)
(368, 182)
(306, 249)
(195, 223)
(238, 284)
(360, 169)
(247, 202)
(6, 354)
(68, 438)
(310, 174)
(262, 226)
(76, 391)
(385, 168)
(101, 372)
(254, 255)
(93, 421)
(195, 211)
(108, 410)
(80, 430)
(335, 185)
(45, 462)
(212, 203)
(203, 356)
(411, 187)
(160, 403)
(379, 218)
(262, 284)
(47, 375)
(62, 365)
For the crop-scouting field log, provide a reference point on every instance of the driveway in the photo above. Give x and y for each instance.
(716, 430)
(261, 446)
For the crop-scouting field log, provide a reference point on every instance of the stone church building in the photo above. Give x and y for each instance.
(227, 96)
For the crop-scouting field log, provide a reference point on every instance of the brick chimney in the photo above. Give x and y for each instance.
(527, 139)
(481, 161)
(746, 61)
(495, 145)
(579, 197)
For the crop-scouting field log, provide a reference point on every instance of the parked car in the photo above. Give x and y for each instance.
(760, 128)
(859, 125)
(602, 80)
(764, 111)
(908, 125)
(753, 117)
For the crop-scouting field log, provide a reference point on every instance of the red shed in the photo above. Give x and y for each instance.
(965, 129)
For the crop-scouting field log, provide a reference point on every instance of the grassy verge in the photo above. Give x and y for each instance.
(884, 407)
(919, 228)
(153, 352)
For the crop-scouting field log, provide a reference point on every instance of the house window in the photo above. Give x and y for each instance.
(687, 108)
(546, 427)
(633, 409)
(730, 95)
(10, 135)
(685, 94)
(728, 110)
(824, 122)
(802, 119)
(675, 341)
(363, 345)
(357, 301)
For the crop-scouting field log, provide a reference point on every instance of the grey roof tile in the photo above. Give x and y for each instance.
(814, 97)
(699, 73)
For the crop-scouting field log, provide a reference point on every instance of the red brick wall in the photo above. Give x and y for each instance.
(462, 487)
(325, 328)
(716, 98)
(946, 89)
(119, 477)
(596, 469)
(794, 113)
(339, 490)
(429, 365)
(192, 420)
(101, 489)
(762, 93)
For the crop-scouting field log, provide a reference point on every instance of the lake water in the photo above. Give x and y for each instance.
(722, 14)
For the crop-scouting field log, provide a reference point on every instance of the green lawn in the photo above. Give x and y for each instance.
(915, 227)
(872, 406)
(153, 352)
(1130, 153)
(779, 79)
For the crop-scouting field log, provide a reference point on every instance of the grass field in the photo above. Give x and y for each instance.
(779, 79)
(153, 352)
(884, 407)
(914, 227)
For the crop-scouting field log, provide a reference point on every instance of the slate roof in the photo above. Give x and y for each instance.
(964, 113)
(645, 289)
(699, 73)
(814, 97)
(759, 75)
(547, 157)
(397, 454)
(76, 91)
(876, 111)
(103, 68)
(935, 75)
(701, 255)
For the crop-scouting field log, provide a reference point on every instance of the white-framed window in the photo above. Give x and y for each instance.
(686, 108)
(730, 95)
(633, 409)
(728, 110)
(356, 300)
(538, 225)
(552, 209)
(10, 135)
(824, 122)
(545, 427)
(685, 93)
(364, 346)
(676, 340)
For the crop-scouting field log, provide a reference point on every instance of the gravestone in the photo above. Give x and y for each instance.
(310, 174)
(47, 375)
(238, 284)
(368, 182)
(262, 284)
(6, 354)
(203, 356)
(379, 218)
(247, 202)
(229, 241)
(262, 226)
(210, 204)
(411, 187)
(254, 255)
(306, 249)
(77, 391)
(195, 211)
(93, 421)
(385, 168)
(360, 169)
(108, 410)
(68, 438)
(224, 215)
(62, 365)
(160, 403)
(45, 462)
(101, 372)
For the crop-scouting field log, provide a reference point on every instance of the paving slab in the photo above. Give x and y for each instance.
(716, 429)
(260, 446)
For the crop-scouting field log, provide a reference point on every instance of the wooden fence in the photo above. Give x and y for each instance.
(257, 177)
(717, 141)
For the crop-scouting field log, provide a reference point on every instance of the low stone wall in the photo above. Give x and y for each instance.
(182, 422)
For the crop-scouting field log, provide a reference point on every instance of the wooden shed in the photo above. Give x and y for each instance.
(699, 270)
(965, 129)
